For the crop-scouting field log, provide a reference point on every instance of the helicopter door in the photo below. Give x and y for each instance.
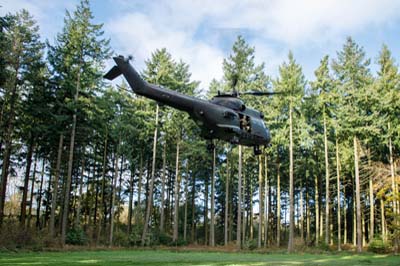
(245, 123)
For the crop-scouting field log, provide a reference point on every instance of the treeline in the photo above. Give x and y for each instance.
(84, 162)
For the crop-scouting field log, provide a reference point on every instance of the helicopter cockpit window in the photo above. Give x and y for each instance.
(233, 103)
(245, 123)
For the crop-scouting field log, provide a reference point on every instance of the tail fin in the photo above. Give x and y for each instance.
(123, 67)
(113, 73)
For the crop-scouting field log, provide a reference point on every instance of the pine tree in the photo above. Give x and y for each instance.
(241, 74)
(161, 69)
(323, 86)
(23, 52)
(352, 72)
(76, 59)
(388, 87)
(291, 81)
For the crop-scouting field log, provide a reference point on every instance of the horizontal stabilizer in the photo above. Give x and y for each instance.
(113, 73)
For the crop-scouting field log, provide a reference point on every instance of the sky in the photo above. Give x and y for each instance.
(202, 32)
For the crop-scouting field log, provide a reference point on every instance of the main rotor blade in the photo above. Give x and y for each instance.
(259, 93)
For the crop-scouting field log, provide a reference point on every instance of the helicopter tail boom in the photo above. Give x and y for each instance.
(141, 87)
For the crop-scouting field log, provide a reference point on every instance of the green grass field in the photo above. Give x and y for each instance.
(149, 257)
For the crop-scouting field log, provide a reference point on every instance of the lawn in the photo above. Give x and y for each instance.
(153, 257)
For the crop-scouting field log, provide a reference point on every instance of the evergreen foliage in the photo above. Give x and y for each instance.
(94, 164)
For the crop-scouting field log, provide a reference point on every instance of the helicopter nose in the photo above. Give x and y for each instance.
(267, 136)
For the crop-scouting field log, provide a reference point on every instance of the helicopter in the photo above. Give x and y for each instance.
(224, 117)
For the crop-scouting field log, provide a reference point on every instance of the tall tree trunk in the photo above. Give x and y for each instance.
(147, 185)
(250, 218)
(266, 201)
(96, 180)
(371, 204)
(383, 220)
(394, 189)
(103, 187)
(55, 186)
(193, 208)
(206, 210)
(121, 173)
(321, 213)
(278, 202)
(291, 184)
(239, 211)
(244, 221)
(358, 196)
(140, 178)
(260, 200)
(354, 221)
(226, 226)
(231, 215)
(8, 144)
(212, 220)
(113, 189)
(130, 203)
(330, 230)
(26, 180)
(90, 193)
(316, 210)
(168, 216)
(48, 199)
(80, 198)
(345, 221)
(363, 227)
(4, 173)
(301, 213)
(327, 200)
(176, 194)
(339, 235)
(39, 198)
(186, 201)
(151, 185)
(308, 214)
(397, 199)
(70, 163)
(162, 207)
(32, 189)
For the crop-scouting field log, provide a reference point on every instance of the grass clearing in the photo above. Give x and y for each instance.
(163, 257)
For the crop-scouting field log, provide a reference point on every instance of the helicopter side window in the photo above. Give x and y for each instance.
(245, 123)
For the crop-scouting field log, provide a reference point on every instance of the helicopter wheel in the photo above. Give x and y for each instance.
(257, 150)
(210, 146)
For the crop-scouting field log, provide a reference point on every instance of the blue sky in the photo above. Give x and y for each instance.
(201, 32)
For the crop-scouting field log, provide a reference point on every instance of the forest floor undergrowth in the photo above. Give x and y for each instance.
(183, 257)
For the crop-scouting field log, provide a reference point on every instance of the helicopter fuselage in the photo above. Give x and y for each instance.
(223, 117)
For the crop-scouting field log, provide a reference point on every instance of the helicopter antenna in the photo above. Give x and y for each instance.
(234, 83)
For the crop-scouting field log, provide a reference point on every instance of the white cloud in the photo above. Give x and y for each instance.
(173, 24)
(48, 13)
(140, 35)
(195, 31)
(291, 22)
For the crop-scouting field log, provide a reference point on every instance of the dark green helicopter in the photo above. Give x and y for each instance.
(225, 117)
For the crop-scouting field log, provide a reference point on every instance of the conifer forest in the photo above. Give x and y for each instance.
(85, 161)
